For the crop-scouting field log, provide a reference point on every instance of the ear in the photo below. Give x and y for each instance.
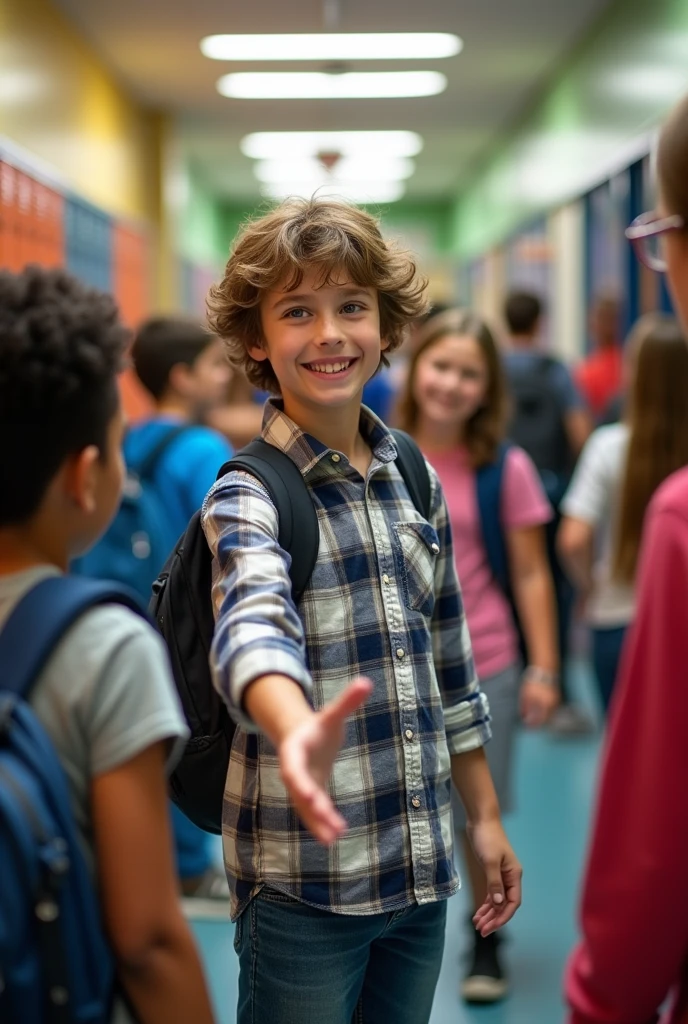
(81, 478)
(178, 379)
(258, 353)
(384, 344)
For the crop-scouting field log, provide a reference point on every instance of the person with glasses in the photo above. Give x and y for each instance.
(634, 906)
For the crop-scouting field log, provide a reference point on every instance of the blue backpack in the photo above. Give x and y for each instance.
(140, 537)
(55, 963)
(489, 481)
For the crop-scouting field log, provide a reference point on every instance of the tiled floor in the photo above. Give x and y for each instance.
(555, 784)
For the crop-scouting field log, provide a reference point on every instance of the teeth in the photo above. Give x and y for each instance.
(330, 367)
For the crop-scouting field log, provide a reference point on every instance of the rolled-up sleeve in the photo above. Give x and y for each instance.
(466, 710)
(257, 628)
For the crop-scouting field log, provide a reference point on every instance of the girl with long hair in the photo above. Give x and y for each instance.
(455, 406)
(621, 467)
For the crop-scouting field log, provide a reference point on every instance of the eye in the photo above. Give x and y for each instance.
(298, 313)
(352, 307)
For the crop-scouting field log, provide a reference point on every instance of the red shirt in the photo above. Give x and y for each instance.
(634, 911)
(599, 378)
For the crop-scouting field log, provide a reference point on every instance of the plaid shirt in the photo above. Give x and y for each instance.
(384, 602)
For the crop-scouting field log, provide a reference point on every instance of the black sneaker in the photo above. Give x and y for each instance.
(485, 981)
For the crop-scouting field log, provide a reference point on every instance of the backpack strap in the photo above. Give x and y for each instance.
(39, 621)
(146, 467)
(299, 530)
(489, 482)
(414, 470)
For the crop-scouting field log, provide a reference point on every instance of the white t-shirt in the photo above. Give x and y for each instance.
(593, 496)
(105, 696)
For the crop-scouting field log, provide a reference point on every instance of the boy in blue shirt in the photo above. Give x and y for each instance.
(336, 816)
(185, 369)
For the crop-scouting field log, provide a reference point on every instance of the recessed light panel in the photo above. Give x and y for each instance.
(277, 85)
(333, 46)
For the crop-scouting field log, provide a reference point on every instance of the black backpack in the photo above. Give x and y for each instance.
(537, 423)
(181, 607)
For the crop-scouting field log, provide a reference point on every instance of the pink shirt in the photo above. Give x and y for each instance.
(489, 617)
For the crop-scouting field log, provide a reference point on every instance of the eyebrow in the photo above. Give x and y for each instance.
(348, 291)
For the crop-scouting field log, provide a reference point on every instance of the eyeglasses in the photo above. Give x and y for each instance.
(645, 234)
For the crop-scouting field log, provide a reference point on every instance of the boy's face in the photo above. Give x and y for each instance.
(206, 382)
(323, 341)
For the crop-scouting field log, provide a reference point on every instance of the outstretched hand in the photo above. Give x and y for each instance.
(307, 754)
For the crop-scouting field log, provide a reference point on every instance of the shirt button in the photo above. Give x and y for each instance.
(409, 734)
(435, 549)
(415, 802)
(385, 579)
(336, 458)
(400, 652)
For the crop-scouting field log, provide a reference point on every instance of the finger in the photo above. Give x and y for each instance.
(348, 701)
(495, 885)
(321, 818)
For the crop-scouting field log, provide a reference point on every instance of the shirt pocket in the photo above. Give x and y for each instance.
(416, 547)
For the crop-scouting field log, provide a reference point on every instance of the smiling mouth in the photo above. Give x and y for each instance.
(331, 369)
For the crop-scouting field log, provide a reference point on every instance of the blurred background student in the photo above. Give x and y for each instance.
(620, 469)
(454, 405)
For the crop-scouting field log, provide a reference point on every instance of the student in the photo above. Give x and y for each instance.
(186, 373)
(599, 375)
(634, 905)
(454, 404)
(549, 421)
(311, 300)
(106, 697)
(620, 469)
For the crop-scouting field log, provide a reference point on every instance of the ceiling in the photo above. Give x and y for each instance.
(512, 49)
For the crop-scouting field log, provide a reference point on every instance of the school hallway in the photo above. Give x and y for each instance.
(556, 783)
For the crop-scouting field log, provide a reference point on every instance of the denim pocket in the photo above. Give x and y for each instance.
(416, 547)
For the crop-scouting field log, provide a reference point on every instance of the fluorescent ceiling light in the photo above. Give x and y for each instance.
(354, 192)
(347, 169)
(334, 46)
(369, 144)
(288, 85)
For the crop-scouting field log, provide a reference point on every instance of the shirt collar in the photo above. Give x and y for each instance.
(307, 451)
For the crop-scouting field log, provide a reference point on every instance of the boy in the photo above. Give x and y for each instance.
(185, 369)
(311, 299)
(106, 697)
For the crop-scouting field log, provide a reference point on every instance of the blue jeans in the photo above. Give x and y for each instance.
(193, 848)
(607, 645)
(301, 965)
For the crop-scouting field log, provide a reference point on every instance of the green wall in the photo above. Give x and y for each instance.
(598, 115)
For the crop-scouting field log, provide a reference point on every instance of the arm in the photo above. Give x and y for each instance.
(575, 545)
(634, 910)
(157, 961)
(533, 592)
(257, 626)
(578, 427)
(466, 716)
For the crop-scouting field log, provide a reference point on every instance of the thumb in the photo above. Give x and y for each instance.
(348, 701)
(495, 885)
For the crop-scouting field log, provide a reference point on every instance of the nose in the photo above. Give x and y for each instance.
(327, 333)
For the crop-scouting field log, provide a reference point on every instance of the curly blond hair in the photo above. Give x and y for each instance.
(301, 235)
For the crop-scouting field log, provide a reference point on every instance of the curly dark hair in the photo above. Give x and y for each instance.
(325, 235)
(61, 347)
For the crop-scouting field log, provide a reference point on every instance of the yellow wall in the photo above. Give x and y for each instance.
(59, 103)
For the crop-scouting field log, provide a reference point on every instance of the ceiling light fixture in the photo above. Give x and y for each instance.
(344, 168)
(333, 46)
(368, 144)
(354, 192)
(276, 85)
